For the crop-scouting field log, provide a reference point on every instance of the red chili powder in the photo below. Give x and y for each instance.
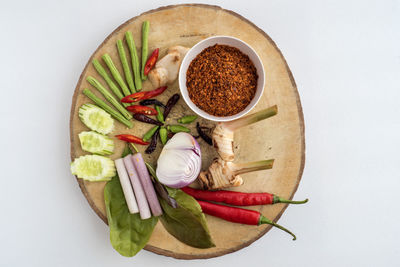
(221, 80)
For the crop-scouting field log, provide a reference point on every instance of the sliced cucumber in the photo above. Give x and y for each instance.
(93, 168)
(96, 119)
(96, 143)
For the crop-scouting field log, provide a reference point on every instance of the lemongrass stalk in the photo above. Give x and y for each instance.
(125, 66)
(145, 46)
(252, 118)
(107, 108)
(115, 73)
(240, 168)
(103, 73)
(223, 133)
(109, 97)
(135, 60)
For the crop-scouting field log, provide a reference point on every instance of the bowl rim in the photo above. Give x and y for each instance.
(204, 114)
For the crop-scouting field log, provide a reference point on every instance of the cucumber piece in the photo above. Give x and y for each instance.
(93, 168)
(96, 143)
(96, 119)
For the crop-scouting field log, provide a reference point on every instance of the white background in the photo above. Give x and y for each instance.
(345, 57)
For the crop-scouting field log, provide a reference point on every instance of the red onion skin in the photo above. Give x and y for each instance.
(147, 184)
(137, 188)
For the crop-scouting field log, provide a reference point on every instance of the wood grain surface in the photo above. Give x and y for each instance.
(280, 137)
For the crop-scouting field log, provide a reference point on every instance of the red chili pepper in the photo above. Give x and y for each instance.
(143, 95)
(238, 198)
(131, 139)
(238, 215)
(151, 62)
(142, 110)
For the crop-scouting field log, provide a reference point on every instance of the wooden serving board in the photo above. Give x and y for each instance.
(280, 137)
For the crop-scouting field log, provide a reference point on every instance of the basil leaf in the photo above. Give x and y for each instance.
(128, 232)
(187, 222)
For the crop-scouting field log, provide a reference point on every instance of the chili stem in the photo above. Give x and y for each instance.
(264, 220)
(282, 200)
(253, 118)
(134, 148)
(240, 168)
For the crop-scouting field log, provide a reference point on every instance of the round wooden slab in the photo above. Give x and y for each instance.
(280, 137)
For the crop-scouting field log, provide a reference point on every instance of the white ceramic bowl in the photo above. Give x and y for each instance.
(223, 40)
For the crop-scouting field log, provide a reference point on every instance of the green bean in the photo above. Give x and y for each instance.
(107, 108)
(109, 97)
(115, 73)
(187, 119)
(177, 128)
(147, 136)
(125, 66)
(163, 135)
(135, 60)
(114, 88)
(160, 115)
(145, 46)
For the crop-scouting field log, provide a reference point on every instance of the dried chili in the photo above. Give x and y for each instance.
(153, 144)
(221, 80)
(148, 102)
(144, 118)
(171, 102)
(203, 135)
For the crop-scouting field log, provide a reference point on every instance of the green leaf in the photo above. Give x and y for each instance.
(128, 232)
(187, 222)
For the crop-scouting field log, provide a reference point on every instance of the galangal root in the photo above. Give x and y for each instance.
(223, 174)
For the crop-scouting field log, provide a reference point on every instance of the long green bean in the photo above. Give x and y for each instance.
(115, 73)
(107, 108)
(125, 66)
(145, 46)
(109, 97)
(114, 88)
(135, 60)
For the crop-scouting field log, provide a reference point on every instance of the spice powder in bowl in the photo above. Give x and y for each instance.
(221, 80)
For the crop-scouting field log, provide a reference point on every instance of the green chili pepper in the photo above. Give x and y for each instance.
(145, 47)
(163, 135)
(160, 115)
(187, 119)
(177, 128)
(147, 136)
